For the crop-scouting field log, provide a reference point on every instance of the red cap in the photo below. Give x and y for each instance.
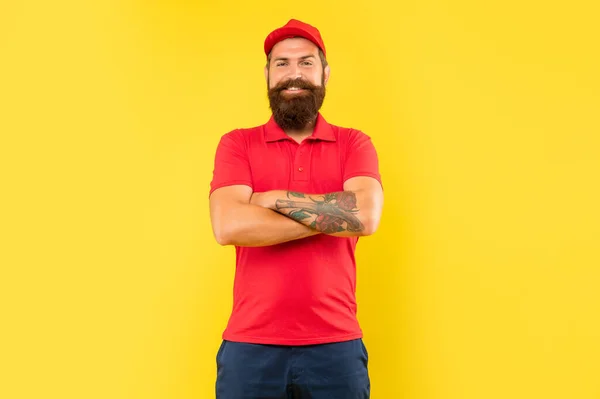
(294, 28)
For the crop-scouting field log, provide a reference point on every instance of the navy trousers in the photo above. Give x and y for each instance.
(326, 371)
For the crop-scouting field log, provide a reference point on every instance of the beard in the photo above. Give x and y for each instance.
(296, 111)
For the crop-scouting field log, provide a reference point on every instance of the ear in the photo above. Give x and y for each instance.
(327, 71)
(267, 75)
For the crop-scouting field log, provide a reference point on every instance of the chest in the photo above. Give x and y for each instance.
(312, 166)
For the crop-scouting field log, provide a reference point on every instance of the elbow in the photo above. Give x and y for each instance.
(221, 240)
(370, 226)
(222, 236)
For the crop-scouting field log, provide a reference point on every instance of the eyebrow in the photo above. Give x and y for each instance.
(287, 59)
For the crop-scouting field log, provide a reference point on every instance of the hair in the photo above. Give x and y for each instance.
(321, 56)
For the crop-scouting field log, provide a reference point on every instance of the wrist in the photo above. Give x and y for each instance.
(270, 199)
(265, 199)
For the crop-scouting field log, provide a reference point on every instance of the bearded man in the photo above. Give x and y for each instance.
(293, 196)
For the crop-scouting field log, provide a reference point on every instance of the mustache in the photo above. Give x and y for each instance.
(298, 82)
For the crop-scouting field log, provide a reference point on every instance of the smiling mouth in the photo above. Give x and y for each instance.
(293, 89)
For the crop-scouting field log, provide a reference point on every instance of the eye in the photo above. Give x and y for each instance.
(307, 63)
(280, 63)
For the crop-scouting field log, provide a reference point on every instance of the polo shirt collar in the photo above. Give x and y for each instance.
(322, 131)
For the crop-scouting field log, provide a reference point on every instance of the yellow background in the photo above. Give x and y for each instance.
(482, 282)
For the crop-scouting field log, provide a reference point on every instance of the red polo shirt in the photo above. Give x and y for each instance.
(300, 292)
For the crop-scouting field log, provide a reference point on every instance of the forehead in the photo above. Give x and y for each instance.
(294, 47)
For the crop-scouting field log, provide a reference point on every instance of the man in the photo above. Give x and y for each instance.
(293, 196)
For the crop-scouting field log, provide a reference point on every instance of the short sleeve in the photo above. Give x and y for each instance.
(361, 158)
(231, 165)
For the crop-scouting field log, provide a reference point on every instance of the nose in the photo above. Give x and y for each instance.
(295, 73)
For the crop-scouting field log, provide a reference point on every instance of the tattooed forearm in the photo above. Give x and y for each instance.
(328, 213)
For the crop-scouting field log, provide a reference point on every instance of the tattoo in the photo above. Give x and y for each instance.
(329, 213)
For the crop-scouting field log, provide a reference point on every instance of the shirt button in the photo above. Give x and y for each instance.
(300, 169)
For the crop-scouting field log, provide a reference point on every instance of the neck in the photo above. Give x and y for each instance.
(301, 134)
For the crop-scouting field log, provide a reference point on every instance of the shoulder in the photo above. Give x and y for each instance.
(350, 136)
(243, 135)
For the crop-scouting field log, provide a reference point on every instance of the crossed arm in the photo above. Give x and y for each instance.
(240, 217)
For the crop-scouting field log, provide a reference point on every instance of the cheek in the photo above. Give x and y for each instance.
(274, 79)
(317, 78)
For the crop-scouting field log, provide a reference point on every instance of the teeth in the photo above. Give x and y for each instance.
(293, 88)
